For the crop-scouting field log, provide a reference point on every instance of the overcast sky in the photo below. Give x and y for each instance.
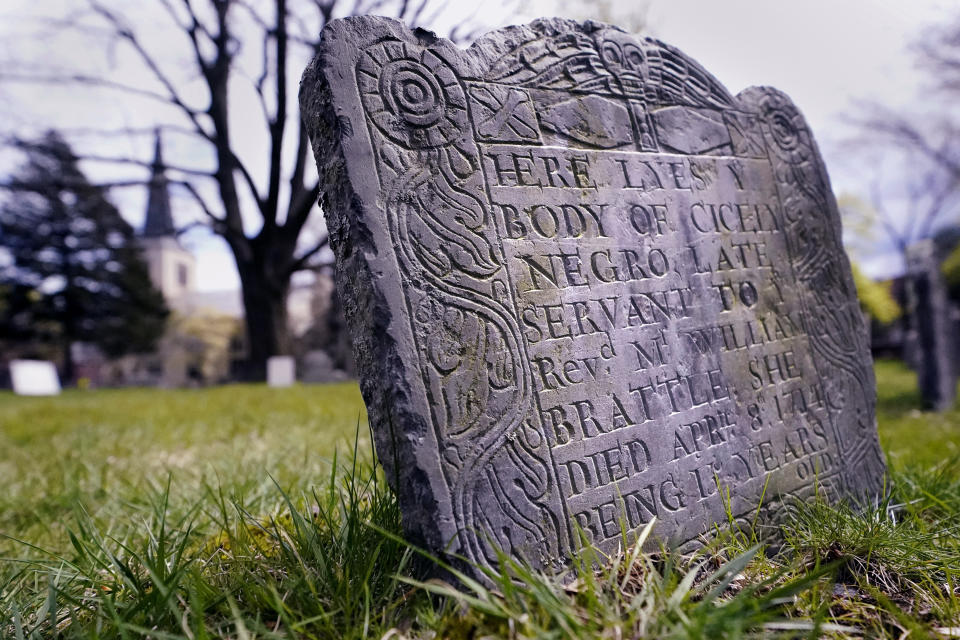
(825, 54)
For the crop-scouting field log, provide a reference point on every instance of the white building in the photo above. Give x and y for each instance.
(172, 268)
(199, 318)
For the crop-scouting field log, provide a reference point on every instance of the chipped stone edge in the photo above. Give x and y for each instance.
(348, 198)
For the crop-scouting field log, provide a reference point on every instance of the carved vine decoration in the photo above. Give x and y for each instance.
(467, 335)
(834, 325)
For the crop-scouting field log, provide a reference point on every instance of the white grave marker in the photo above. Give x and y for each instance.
(34, 378)
(281, 371)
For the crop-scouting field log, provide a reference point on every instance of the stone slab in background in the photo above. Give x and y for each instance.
(318, 367)
(34, 378)
(933, 330)
(586, 285)
(281, 371)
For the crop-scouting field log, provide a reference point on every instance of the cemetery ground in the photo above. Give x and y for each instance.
(242, 512)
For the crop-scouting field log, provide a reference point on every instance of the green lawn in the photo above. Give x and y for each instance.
(239, 512)
(112, 450)
(912, 437)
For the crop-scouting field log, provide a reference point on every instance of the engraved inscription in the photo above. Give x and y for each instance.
(609, 290)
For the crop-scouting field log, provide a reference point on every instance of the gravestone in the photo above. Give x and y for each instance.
(34, 378)
(281, 371)
(318, 366)
(932, 327)
(586, 285)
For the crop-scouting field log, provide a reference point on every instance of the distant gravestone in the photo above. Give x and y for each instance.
(281, 371)
(318, 366)
(586, 286)
(34, 378)
(933, 331)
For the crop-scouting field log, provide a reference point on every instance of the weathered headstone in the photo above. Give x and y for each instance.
(281, 371)
(34, 378)
(318, 366)
(586, 285)
(932, 328)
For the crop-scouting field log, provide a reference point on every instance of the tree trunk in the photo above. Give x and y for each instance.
(69, 368)
(70, 315)
(265, 315)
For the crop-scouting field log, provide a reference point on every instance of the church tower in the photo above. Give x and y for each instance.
(172, 268)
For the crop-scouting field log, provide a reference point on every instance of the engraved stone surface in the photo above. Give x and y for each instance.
(586, 285)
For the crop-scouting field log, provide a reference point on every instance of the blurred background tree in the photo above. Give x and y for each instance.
(73, 269)
(913, 153)
(876, 298)
(221, 58)
(951, 271)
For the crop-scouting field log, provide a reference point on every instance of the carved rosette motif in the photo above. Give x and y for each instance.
(494, 459)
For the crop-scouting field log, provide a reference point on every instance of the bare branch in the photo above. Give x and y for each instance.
(418, 13)
(902, 131)
(896, 237)
(301, 262)
(65, 183)
(939, 54)
(937, 197)
(299, 168)
(79, 78)
(214, 218)
(144, 163)
(127, 132)
(45, 186)
(247, 177)
(278, 122)
(126, 33)
(190, 226)
(173, 15)
(318, 267)
(300, 209)
(73, 21)
(192, 29)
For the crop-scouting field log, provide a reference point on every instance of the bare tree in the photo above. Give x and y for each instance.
(914, 156)
(264, 220)
(905, 204)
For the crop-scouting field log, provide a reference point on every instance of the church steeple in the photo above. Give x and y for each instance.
(159, 221)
